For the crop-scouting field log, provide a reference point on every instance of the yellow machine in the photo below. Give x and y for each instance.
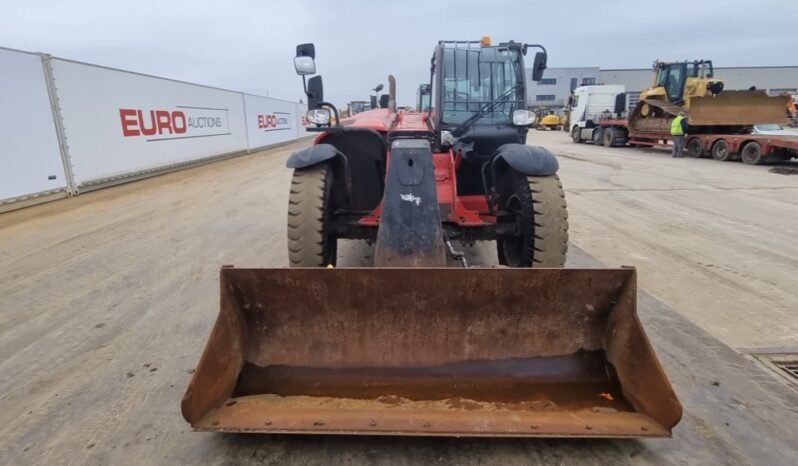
(692, 87)
(547, 119)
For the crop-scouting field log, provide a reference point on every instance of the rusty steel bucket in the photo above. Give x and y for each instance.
(431, 351)
(738, 108)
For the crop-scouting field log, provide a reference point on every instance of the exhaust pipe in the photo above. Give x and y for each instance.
(391, 94)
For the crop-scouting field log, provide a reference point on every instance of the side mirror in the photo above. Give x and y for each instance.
(384, 101)
(523, 118)
(538, 66)
(304, 66)
(620, 103)
(315, 92)
(373, 102)
(378, 88)
(306, 50)
(303, 62)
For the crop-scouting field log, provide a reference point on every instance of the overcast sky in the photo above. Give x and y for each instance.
(249, 45)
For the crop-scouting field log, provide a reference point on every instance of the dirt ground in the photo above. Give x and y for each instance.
(106, 300)
(715, 241)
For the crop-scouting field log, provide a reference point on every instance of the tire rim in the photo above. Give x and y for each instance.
(694, 148)
(722, 150)
(749, 154)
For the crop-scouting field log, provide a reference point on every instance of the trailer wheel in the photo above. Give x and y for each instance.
(721, 151)
(694, 148)
(608, 137)
(537, 208)
(576, 134)
(309, 208)
(752, 153)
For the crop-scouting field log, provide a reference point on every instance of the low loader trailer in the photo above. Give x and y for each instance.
(751, 148)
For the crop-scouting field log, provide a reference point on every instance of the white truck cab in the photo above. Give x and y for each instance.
(590, 103)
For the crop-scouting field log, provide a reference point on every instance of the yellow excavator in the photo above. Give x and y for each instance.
(547, 118)
(691, 87)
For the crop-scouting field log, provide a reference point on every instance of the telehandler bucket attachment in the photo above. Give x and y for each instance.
(431, 351)
(738, 108)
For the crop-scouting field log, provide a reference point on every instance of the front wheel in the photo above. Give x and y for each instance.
(537, 209)
(576, 134)
(309, 209)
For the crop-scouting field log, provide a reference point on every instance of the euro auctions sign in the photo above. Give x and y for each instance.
(275, 121)
(180, 122)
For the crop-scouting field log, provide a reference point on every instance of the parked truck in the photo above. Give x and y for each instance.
(599, 115)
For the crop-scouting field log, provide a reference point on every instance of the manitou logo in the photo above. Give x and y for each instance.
(183, 122)
(274, 121)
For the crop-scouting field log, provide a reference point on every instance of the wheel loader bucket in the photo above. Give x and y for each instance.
(431, 351)
(738, 108)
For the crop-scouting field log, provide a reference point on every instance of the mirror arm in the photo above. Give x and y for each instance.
(305, 85)
(538, 46)
(334, 109)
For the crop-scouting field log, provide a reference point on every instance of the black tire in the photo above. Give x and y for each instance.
(694, 148)
(751, 153)
(576, 134)
(721, 150)
(538, 202)
(608, 138)
(597, 135)
(309, 209)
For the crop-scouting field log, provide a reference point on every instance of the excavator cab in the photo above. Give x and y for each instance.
(683, 80)
(673, 78)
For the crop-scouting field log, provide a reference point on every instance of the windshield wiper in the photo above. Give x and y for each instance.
(462, 127)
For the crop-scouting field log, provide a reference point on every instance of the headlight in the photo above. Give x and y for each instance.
(320, 116)
(523, 118)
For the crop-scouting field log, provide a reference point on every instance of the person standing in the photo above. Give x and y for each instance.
(678, 128)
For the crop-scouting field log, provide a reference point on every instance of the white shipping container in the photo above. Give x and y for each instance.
(270, 121)
(119, 124)
(30, 158)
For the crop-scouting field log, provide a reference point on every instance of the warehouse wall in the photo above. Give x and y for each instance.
(556, 85)
(68, 127)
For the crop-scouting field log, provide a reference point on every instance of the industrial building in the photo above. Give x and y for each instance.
(557, 83)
